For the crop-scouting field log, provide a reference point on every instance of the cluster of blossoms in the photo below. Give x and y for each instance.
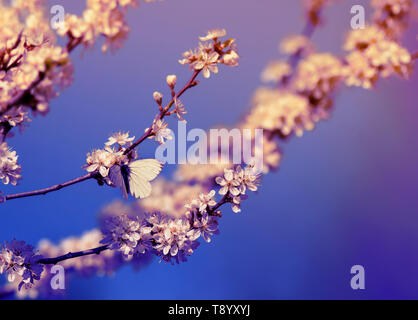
(296, 45)
(280, 112)
(20, 263)
(276, 71)
(131, 235)
(32, 66)
(392, 16)
(174, 237)
(9, 168)
(170, 197)
(105, 263)
(316, 78)
(160, 131)
(101, 160)
(101, 18)
(374, 55)
(209, 54)
(305, 91)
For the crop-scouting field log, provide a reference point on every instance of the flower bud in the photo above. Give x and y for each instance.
(171, 80)
(158, 97)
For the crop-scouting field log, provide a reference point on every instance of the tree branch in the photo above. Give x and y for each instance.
(20, 98)
(191, 83)
(226, 198)
(47, 190)
(293, 59)
(71, 255)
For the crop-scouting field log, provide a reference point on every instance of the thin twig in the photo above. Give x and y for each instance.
(190, 84)
(50, 189)
(226, 198)
(72, 255)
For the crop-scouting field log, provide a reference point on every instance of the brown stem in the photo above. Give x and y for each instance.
(71, 255)
(48, 190)
(293, 60)
(226, 198)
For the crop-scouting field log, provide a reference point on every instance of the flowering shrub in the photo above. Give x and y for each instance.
(171, 222)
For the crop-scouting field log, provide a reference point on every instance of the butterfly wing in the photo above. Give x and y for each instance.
(117, 178)
(141, 172)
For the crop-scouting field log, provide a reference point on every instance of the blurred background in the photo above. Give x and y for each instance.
(345, 193)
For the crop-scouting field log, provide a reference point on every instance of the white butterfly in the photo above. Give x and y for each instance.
(134, 178)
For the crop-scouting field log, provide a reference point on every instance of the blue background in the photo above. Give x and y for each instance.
(345, 194)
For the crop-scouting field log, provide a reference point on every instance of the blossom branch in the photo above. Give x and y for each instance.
(293, 59)
(20, 98)
(165, 111)
(190, 84)
(71, 255)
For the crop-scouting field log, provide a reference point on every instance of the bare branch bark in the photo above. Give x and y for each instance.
(48, 190)
(72, 255)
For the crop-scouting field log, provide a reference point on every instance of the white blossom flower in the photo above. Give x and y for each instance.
(101, 160)
(179, 110)
(228, 183)
(121, 138)
(247, 178)
(236, 202)
(161, 131)
(207, 226)
(122, 233)
(208, 62)
(213, 34)
(175, 236)
(189, 57)
(206, 200)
